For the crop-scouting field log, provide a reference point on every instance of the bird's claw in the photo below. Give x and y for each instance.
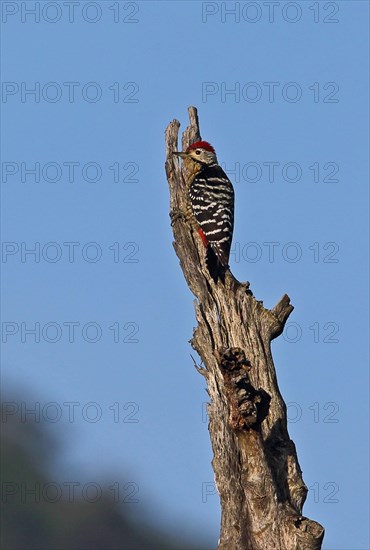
(175, 215)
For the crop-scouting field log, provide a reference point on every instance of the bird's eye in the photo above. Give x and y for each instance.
(197, 152)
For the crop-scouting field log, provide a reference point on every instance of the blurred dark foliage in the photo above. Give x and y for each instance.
(29, 523)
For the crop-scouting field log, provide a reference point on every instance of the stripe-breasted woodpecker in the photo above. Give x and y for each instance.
(210, 199)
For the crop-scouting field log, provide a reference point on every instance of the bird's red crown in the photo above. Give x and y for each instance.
(202, 145)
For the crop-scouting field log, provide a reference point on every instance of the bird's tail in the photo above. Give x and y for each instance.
(216, 267)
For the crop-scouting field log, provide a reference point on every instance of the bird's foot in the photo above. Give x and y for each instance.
(175, 215)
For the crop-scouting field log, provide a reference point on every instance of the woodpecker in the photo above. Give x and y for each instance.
(211, 200)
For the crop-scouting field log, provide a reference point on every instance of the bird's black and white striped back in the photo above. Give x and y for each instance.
(212, 200)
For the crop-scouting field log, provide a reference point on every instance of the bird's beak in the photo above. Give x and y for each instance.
(180, 154)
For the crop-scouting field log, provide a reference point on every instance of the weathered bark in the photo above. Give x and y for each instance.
(256, 468)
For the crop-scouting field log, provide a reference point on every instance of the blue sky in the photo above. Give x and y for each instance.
(284, 101)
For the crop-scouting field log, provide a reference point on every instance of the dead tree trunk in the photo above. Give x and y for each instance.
(256, 468)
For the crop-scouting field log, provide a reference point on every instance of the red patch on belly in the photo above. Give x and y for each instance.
(203, 237)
